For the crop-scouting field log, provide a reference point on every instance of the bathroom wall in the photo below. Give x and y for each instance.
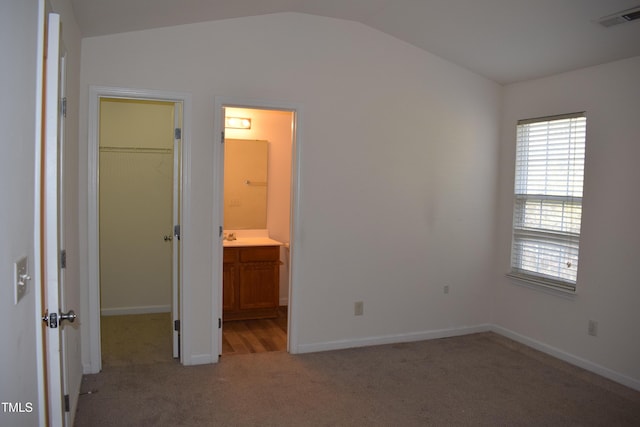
(275, 127)
(398, 164)
(245, 184)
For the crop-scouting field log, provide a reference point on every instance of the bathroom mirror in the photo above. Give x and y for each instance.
(245, 184)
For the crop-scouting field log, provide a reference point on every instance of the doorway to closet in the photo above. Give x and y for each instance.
(138, 212)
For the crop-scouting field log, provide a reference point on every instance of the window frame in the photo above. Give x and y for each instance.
(567, 243)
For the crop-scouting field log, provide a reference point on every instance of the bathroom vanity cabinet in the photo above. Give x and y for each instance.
(250, 282)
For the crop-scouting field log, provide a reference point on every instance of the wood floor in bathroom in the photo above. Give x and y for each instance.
(255, 336)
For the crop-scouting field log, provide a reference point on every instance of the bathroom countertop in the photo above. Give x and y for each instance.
(250, 241)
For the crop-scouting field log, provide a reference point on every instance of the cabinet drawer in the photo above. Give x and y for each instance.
(230, 255)
(260, 253)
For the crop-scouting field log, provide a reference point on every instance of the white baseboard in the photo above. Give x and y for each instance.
(87, 369)
(202, 359)
(569, 358)
(390, 339)
(198, 359)
(444, 333)
(119, 311)
(73, 400)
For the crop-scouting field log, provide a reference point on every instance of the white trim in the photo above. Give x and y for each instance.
(445, 333)
(51, 216)
(393, 339)
(73, 404)
(200, 359)
(541, 287)
(93, 260)
(37, 231)
(185, 285)
(452, 332)
(296, 232)
(123, 311)
(217, 218)
(568, 357)
(218, 193)
(176, 242)
(93, 311)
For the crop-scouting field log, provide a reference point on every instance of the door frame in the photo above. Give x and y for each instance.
(38, 238)
(221, 102)
(95, 94)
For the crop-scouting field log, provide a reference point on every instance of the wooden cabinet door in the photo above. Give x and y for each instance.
(250, 282)
(258, 286)
(229, 288)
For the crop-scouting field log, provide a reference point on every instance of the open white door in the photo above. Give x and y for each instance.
(53, 215)
(177, 185)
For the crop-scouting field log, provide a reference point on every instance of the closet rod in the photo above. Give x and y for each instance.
(137, 150)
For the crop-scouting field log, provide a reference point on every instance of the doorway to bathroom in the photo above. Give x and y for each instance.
(257, 164)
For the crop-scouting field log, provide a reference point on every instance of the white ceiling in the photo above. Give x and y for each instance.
(504, 40)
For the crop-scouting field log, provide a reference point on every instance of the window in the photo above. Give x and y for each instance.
(548, 200)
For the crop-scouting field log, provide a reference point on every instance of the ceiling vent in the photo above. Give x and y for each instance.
(620, 17)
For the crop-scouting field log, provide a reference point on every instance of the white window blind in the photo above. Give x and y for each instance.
(548, 200)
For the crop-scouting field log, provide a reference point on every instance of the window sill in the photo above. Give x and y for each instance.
(540, 285)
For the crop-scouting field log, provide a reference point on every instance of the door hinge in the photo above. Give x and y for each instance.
(63, 258)
(176, 231)
(222, 137)
(176, 325)
(178, 133)
(219, 323)
(63, 107)
(66, 403)
(220, 231)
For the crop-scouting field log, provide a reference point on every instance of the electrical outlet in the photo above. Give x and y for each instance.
(358, 308)
(445, 289)
(592, 329)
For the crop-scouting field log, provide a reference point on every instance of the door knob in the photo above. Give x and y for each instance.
(168, 238)
(52, 320)
(69, 315)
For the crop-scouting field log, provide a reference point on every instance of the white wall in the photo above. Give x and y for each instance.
(607, 287)
(397, 166)
(18, 41)
(18, 381)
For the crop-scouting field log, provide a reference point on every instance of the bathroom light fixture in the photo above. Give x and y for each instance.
(237, 123)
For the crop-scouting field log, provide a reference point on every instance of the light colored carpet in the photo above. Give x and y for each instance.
(137, 339)
(474, 380)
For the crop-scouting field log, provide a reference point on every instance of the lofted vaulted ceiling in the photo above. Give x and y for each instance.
(504, 40)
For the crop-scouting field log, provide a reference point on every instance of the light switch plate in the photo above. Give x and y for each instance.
(21, 277)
